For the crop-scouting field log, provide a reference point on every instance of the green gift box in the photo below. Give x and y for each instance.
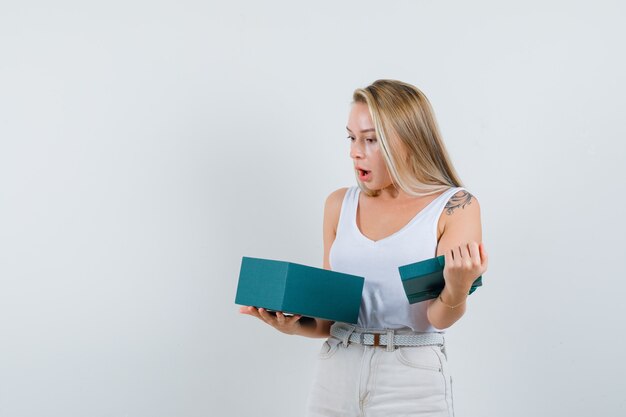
(424, 280)
(299, 289)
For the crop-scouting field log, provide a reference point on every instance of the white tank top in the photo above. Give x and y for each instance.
(384, 304)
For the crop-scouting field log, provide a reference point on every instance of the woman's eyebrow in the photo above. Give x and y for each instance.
(362, 131)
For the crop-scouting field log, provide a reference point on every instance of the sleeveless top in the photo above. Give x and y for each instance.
(384, 304)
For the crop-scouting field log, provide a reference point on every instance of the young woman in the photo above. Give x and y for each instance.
(409, 205)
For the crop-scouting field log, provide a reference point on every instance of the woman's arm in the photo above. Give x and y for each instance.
(465, 259)
(309, 327)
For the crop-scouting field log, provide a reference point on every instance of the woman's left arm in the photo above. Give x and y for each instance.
(465, 259)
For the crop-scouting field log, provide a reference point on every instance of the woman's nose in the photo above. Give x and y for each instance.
(356, 150)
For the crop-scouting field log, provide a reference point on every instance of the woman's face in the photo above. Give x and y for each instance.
(365, 150)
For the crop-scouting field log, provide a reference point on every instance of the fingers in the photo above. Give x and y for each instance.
(266, 317)
(281, 322)
(468, 256)
(463, 264)
(280, 318)
(462, 256)
(483, 256)
(249, 310)
(474, 253)
(259, 313)
(284, 320)
(458, 255)
(449, 257)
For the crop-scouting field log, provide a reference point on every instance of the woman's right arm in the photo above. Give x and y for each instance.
(308, 327)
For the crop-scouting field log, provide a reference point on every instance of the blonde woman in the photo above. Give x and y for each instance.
(408, 205)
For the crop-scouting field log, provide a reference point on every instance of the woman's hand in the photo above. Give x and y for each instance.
(463, 265)
(282, 323)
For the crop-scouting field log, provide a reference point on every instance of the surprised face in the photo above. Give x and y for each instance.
(365, 151)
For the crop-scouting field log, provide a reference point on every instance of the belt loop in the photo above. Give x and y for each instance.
(390, 337)
(443, 347)
(348, 332)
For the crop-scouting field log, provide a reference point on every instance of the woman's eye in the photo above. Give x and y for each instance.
(350, 137)
(371, 140)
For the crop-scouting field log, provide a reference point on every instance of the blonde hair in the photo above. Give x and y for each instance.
(409, 137)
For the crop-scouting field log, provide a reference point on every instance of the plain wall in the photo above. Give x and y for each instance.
(145, 147)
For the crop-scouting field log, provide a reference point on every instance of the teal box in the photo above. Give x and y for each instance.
(424, 280)
(299, 289)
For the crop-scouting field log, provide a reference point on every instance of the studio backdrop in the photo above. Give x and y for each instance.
(146, 147)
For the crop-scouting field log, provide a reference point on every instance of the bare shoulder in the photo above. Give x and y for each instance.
(332, 208)
(461, 210)
(462, 203)
(336, 197)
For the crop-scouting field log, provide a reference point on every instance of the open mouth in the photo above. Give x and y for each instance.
(363, 174)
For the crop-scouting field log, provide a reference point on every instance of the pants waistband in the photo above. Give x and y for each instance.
(388, 338)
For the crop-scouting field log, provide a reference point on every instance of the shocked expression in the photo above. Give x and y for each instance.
(365, 151)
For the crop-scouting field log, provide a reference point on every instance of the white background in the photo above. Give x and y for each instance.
(146, 146)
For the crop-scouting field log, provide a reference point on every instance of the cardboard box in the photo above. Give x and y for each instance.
(424, 280)
(299, 289)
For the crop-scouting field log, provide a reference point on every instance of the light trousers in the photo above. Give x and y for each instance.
(357, 380)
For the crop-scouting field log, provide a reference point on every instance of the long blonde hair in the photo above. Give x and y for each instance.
(409, 137)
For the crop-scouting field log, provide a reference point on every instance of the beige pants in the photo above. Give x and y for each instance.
(370, 381)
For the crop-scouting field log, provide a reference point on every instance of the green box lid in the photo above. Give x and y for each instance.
(424, 280)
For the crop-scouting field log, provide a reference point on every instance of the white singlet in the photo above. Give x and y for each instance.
(384, 304)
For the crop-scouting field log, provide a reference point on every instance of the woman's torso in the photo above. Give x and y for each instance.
(384, 304)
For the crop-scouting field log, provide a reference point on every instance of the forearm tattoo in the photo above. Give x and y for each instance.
(460, 199)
